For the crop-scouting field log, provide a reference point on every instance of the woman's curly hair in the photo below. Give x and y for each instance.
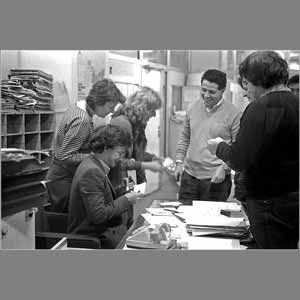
(138, 106)
(137, 109)
(108, 137)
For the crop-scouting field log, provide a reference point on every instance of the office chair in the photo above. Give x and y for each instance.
(52, 227)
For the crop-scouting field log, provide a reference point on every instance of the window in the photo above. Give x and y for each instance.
(128, 53)
(179, 59)
(176, 98)
(155, 56)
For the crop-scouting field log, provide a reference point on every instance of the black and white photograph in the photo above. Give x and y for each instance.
(161, 150)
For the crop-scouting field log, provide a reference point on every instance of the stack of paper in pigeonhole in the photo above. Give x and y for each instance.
(207, 218)
(37, 82)
(15, 96)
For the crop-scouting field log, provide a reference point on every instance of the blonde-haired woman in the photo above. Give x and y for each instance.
(133, 116)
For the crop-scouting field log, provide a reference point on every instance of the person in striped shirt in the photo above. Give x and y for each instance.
(71, 142)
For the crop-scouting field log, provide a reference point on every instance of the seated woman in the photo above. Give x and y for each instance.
(133, 116)
(94, 208)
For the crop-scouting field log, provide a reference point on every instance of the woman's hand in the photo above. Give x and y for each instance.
(154, 166)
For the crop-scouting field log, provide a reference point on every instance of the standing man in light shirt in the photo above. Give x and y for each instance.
(203, 175)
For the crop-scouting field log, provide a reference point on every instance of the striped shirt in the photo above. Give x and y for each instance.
(200, 126)
(72, 135)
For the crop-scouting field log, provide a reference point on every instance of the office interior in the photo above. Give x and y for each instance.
(174, 74)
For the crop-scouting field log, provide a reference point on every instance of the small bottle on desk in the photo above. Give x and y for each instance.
(131, 184)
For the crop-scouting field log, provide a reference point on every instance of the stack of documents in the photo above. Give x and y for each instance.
(15, 96)
(207, 218)
(28, 89)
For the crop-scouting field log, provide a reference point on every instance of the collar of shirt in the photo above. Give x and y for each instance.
(89, 110)
(215, 106)
(277, 88)
(103, 164)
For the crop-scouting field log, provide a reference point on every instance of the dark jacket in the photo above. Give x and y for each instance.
(94, 209)
(118, 173)
(266, 148)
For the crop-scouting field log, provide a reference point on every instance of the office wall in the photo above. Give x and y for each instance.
(59, 63)
(200, 60)
(62, 64)
(9, 60)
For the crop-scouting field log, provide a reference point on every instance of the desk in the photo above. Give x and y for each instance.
(167, 191)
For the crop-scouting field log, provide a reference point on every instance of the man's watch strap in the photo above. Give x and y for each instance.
(178, 162)
(226, 167)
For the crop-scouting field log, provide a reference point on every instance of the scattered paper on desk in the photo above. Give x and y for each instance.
(157, 211)
(171, 209)
(155, 220)
(170, 204)
(204, 243)
(140, 188)
(217, 205)
(198, 211)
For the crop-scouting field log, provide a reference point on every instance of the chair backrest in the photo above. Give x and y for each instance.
(48, 221)
(58, 222)
(52, 227)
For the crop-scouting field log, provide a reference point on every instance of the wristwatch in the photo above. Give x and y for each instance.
(178, 162)
(225, 167)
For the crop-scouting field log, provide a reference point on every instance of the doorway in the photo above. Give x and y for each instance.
(152, 78)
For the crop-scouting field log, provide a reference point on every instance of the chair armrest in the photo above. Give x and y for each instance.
(46, 240)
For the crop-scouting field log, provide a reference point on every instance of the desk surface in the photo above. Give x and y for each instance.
(167, 191)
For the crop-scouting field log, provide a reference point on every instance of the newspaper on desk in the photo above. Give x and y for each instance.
(205, 218)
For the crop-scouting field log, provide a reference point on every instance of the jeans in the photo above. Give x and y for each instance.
(192, 188)
(274, 221)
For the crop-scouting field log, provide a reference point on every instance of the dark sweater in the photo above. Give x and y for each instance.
(119, 172)
(266, 148)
